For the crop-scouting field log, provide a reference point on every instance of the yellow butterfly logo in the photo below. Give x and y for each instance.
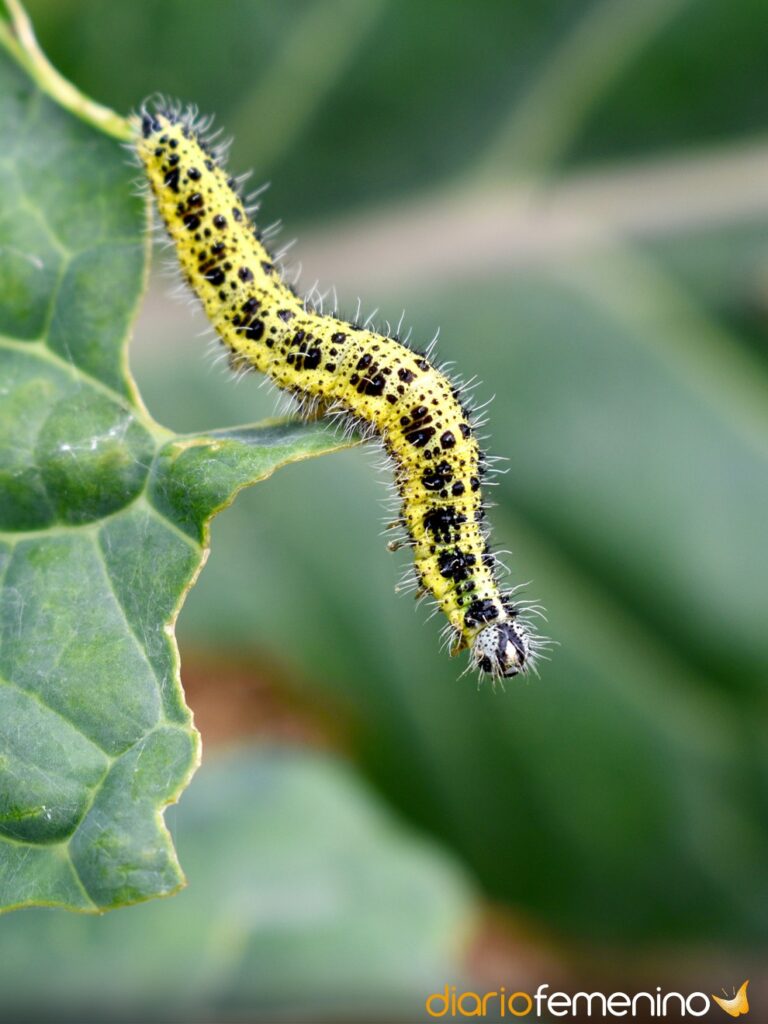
(736, 1006)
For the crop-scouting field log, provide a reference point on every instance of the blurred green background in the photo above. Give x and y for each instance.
(577, 194)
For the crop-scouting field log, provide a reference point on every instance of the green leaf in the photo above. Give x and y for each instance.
(103, 526)
(305, 896)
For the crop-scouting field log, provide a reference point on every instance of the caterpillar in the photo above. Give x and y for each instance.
(335, 367)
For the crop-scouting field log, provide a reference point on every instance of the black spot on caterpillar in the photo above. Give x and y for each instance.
(339, 368)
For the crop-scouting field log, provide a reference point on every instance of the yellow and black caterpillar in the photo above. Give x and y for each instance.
(336, 367)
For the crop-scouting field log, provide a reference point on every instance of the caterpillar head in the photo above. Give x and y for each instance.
(502, 649)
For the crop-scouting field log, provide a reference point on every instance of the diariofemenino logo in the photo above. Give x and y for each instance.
(450, 1004)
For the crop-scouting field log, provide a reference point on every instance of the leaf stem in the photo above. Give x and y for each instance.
(18, 37)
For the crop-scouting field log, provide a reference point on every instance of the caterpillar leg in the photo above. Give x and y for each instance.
(459, 644)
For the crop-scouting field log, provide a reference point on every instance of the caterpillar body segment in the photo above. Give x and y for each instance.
(336, 367)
